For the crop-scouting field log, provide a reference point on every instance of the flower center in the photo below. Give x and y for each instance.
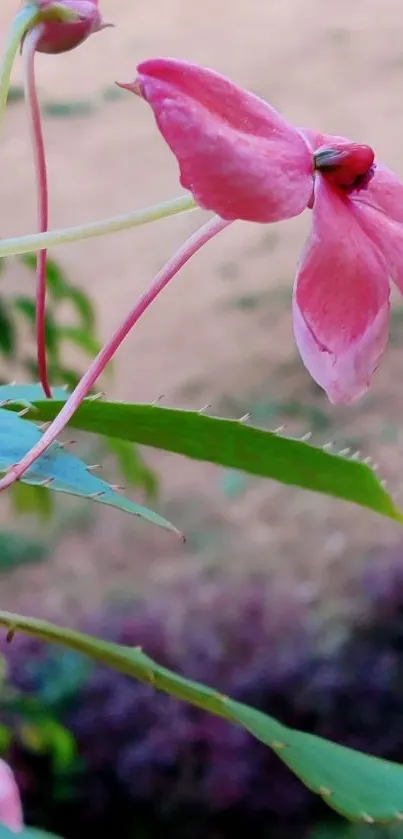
(349, 167)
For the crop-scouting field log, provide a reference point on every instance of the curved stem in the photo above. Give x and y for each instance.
(25, 18)
(28, 54)
(37, 241)
(191, 246)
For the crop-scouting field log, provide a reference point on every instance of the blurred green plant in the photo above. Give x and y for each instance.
(16, 310)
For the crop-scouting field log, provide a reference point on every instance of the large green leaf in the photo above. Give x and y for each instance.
(232, 444)
(60, 470)
(26, 833)
(357, 785)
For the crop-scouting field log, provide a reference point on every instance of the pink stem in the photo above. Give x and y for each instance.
(177, 261)
(28, 53)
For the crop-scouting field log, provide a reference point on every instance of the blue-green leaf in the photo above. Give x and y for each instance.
(27, 394)
(59, 470)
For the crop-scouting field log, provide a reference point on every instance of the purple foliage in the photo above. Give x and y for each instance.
(167, 769)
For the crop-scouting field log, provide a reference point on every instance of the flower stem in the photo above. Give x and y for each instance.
(28, 54)
(38, 241)
(25, 18)
(96, 368)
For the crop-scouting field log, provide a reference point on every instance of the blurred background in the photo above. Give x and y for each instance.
(264, 566)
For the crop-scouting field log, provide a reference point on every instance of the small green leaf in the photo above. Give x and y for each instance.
(15, 94)
(81, 338)
(17, 550)
(26, 307)
(68, 109)
(234, 445)
(359, 786)
(48, 735)
(60, 289)
(7, 336)
(62, 472)
(32, 500)
(132, 466)
(82, 305)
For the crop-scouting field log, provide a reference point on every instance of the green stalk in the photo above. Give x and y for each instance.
(40, 241)
(25, 18)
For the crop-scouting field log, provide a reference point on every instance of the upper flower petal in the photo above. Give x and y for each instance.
(237, 155)
(315, 139)
(10, 802)
(341, 299)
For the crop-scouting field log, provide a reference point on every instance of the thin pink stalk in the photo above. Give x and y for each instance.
(96, 368)
(28, 53)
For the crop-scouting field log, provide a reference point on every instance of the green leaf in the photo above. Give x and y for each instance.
(15, 94)
(234, 445)
(31, 499)
(132, 466)
(81, 338)
(26, 307)
(61, 471)
(48, 735)
(26, 833)
(7, 336)
(358, 786)
(60, 289)
(16, 550)
(68, 109)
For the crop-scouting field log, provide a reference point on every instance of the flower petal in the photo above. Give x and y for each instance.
(387, 235)
(10, 802)
(341, 300)
(237, 155)
(384, 192)
(380, 208)
(316, 140)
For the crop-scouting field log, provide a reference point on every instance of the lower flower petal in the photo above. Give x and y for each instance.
(236, 154)
(341, 300)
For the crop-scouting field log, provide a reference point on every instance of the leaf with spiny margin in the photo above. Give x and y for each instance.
(357, 785)
(232, 444)
(65, 472)
(26, 833)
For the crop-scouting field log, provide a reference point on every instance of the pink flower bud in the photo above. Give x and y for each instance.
(349, 166)
(61, 36)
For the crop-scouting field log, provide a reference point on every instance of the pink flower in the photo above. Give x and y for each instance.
(10, 802)
(242, 160)
(61, 36)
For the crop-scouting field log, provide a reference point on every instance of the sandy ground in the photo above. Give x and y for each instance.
(334, 66)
